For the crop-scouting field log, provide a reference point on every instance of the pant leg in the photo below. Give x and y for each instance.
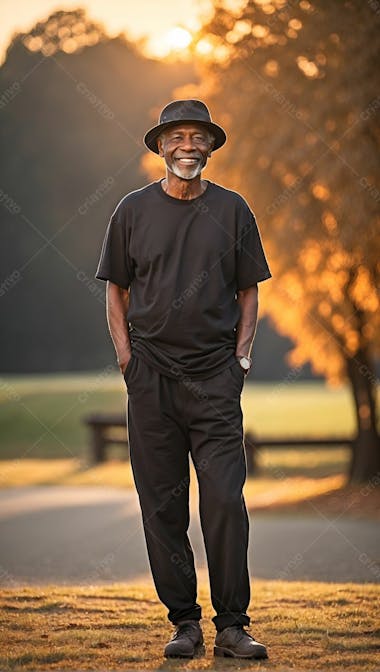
(159, 450)
(216, 434)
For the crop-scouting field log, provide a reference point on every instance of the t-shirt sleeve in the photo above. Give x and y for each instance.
(115, 263)
(251, 263)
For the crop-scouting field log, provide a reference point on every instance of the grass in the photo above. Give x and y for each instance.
(42, 416)
(305, 626)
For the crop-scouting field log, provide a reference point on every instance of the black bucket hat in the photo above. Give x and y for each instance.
(179, 111)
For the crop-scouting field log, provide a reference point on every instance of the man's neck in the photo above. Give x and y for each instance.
(183, 189)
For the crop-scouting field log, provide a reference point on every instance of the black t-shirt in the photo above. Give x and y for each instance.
(184, 261)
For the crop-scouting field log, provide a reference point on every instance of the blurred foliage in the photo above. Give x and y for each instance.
(304, 134)
(74, 107)
(294, 84)
(64, 31)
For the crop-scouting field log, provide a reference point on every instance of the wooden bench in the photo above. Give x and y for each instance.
(102, 424)
(253, 445)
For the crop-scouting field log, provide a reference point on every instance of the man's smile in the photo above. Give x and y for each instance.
(187, 161)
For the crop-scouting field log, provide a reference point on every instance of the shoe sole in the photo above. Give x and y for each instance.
(178, 655)
(198, 652)
(227, 653)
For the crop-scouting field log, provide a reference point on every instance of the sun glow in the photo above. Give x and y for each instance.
(178, 38)
(175, 40)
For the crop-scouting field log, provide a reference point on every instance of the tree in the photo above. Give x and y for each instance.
(295, 86)
(75, 104)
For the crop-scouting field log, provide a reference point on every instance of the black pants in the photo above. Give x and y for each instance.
(167, 419)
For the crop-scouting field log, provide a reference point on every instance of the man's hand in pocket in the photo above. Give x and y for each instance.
(123, 363)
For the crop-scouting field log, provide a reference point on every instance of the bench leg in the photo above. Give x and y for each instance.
(97, 444)
(250, 453)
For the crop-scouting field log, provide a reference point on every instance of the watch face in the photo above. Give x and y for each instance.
(245, 363)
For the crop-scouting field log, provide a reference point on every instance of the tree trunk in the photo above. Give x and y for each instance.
(365, 463)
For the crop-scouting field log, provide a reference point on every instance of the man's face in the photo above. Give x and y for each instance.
(185, 148)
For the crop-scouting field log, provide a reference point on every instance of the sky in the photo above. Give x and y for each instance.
(153, 18)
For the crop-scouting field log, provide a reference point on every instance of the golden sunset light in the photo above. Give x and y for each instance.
(178, 38)
(175, 39)
(190, 335)
(164, 27)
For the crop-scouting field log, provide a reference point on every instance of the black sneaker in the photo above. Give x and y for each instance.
(235, 642)
(186, 641)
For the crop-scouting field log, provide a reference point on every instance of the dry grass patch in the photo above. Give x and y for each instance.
(262, 495)
(306, 626)
(331, 497)
(70, 471)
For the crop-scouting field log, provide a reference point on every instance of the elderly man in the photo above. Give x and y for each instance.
(182, 258)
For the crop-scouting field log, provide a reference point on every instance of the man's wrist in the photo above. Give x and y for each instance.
(122, 356)
(245, 362)
(123, 359)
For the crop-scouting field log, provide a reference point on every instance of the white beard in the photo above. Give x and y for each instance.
(186, 173)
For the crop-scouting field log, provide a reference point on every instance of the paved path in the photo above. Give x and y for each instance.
(87, 534)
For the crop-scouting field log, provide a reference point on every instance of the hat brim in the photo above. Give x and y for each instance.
(150, 138)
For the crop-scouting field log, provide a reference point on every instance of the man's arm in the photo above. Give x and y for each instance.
(117, 303)
(248, 300)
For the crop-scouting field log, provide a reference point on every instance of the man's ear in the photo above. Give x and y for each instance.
(159, 145)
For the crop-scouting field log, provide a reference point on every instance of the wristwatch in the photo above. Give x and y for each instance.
(245, 363)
